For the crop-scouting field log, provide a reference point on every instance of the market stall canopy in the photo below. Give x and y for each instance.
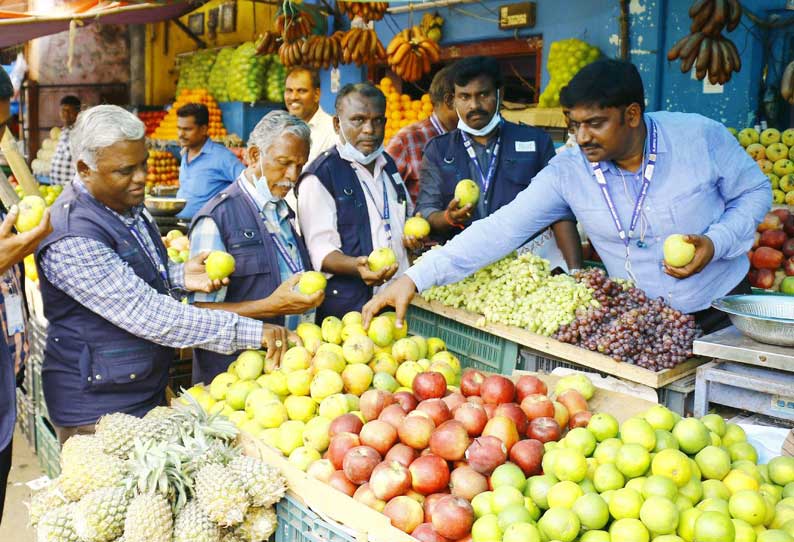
(16, 27)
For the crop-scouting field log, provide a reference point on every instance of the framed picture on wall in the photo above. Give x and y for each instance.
(228, 17)
(195, 23)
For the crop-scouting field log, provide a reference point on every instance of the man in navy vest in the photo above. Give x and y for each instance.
(13, 340)
(110, 293)
(252, 221)
(352, 200)
(500, 156)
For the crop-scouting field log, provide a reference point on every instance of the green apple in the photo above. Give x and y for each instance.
(358, 349)
(467, 192)
(787, 137)
(353, 329)
(219, 265)
(352, 317)
(417, 227)
(237, 393)
(271, 414)
(299, 382)
(782, 167)
(381, 331)
(353, 401)
(787, 286)
(677, 252)
(257, 398)
(332, 330)
(31, 209)
(300, 407)
(290, 436)
(334, 406)
(381, 258)
(406, 373)
(315, 434)
(383, 362)
(311, 281)
(303, 456)
(748, 136)
(327, 359)
(325, 383)
(306, 330)
(251, 427)
(421, 342)
(220, 384)
(405, 350)
(435, 345)
(238, 417)
(250, 365)
(385, 382)
(275, 381)
(296, 359)
(769, 136)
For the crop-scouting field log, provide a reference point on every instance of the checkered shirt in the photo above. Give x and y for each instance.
(61, 168)
(407, 146)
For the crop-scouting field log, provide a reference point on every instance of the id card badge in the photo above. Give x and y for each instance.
(14, 319)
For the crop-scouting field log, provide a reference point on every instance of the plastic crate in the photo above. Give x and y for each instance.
(297, 523)
(422, 322)
(241, 118)
(531, 360)
(26, 417)
(39, 403)
(48, 448)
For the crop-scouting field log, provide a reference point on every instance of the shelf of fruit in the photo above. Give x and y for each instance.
(166, 130)
(773, 151)
(151, 119)
(772, 255)
(162, 170)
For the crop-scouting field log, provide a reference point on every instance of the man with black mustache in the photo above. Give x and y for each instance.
(501, 157)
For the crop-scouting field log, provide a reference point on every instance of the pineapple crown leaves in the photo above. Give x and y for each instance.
(194, 419)
(157, 467)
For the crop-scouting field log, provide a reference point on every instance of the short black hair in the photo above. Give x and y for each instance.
(368, 90)
(605, 83)
(441, 86)
(6, 88)
(314, 75)
(74, 101)
(199, 112)
(467, 69)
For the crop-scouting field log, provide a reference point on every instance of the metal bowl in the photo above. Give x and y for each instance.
(164, 206)
(766, 318)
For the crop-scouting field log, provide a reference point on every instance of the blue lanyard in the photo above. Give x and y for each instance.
(485, 178)
(386, 214)
(162, 269)
(275, 235)
(647, 175)
(437, 124)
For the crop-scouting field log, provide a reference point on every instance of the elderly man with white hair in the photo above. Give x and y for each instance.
(110, 294)
(251, 220)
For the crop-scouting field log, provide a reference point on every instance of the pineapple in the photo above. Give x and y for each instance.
(149, 519)
(117, 433)
(221, 495)
(78, 447)
(79, 478)
(264, 483)
(43, 501)
(159, 413)
(99, 516)
(258, 525)
(57, 526)
(193, 525)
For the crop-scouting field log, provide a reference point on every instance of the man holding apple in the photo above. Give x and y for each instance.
(469, 173)
(352, 205)
(635, 179)
(251, 221)
(111, 297)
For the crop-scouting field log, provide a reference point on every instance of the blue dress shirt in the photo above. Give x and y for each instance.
(211, 171)
(704, 183)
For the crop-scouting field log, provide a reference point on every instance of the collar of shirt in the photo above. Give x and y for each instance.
(205, 148)
(661, 147)
(129, 218)
(260, 193)
(436, 123)
(318, 118)
(380, 162)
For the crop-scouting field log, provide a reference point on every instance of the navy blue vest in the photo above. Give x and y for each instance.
(348, 293)
(256, 270)
(514, 172)
(91, 367)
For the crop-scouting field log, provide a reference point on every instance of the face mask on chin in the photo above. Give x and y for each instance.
(485, 130)
(262, 179)
(350, 152)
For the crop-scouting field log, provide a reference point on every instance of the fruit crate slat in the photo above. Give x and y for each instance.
(26, 417)
(554, 348)
(48, 449)
(297, 523)
(39, 404)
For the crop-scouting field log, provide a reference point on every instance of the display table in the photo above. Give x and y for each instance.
(745, 374)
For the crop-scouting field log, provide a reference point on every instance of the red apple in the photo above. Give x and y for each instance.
(390, 479)
(767, 258)
(405, 513)
(425, 533)
(573, 401)
(430, 504)
(537, 405)
(782, 214)
(339, 482)
(437, 409)
(359, 463)
(497, 389)
(453, 517)
(514, 412)
(470, 382)
(449, 440)
(429, 385)
(379, 435)
(322, 469)
(788, 226)
(560, 414)
(401, 453)
(406, 400)
(415, 431)
(485, 454)
(788, 266)
(770, 222)
(788, 248)
(373, 402)
(429, 474)
(490, 409)
(418, 497)
(467, 483)
(346, 423)
(453, 400)
(528, 454)
(476, 399)
(393, 415)
(339, 446)
(502, 428)
(544, 429)
(529, 385)
(580, 419)
(765, 278)
(473, 418)
(756, 240)
(366, 496)
(772, 238)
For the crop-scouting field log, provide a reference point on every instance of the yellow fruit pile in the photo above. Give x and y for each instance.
(401, 110)
(773, 151)
(167, 128)
(566, 58)
(162, 169)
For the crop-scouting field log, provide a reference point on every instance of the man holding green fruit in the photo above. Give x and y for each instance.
(249, 229)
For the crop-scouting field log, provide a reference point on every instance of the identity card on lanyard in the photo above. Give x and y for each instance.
(275, 235)
(485, 177)
(647, 175)
(385, 216)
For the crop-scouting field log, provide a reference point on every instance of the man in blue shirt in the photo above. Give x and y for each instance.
(207, 167)
(701, 184)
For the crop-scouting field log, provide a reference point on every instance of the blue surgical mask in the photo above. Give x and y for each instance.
(350, 152)
(485, 130)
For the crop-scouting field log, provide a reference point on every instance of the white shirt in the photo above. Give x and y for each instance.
(317, 215)
(323, 134)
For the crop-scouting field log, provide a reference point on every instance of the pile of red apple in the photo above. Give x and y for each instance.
(151, 119)
(421, 457)
(772, 256)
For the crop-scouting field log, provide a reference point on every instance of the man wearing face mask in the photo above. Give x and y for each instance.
(252, 221)
(352, 200)
(501, 157)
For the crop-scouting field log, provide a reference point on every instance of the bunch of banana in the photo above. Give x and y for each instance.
(711, 16)
(411, 54)
(268, 43)
(787, 83)
(294, 26)
(431, 25)
(290, 53)
(362, 46)
(369, 11)
(716, 57)
(322, 51)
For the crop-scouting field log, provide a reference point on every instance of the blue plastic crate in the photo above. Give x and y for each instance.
(241, 118)
(297, 523)
(422, 322)
(26, 417)
(48, 449)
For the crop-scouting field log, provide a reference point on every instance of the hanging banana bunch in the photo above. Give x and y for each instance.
(322, 52)
(362, 46)
(411, 54)
(369, 11)
(268, 43)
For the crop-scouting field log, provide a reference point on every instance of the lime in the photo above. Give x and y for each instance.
(748, 506)
(486, 528)
(686, 524)
(603, 426)
(733, 433)
(660, 486)
(564, 494)
(587, 486)
(674, 465)
(660, 417)
(715, 423)
(693, 490)
(483, 504)
(659, 515)
(636, 484)
(625, 503)
(682, 503)
(516, 513)
(521, 532)
(714, 463)
(538, 489)
(559, 524)
(665, 440)
(714, 489)
(738, 480)
(743, 450)
(582, 440)
(628, 530)
(508, 474)
(744, 531)
(638, 431)
(506, 496)
(772, 491)
(633, 460)
(607, 451)
(607, 477)
(592, 511)
(692, 435)
(569, 464)
(714, 527)
(781, 470)
(714, 505)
